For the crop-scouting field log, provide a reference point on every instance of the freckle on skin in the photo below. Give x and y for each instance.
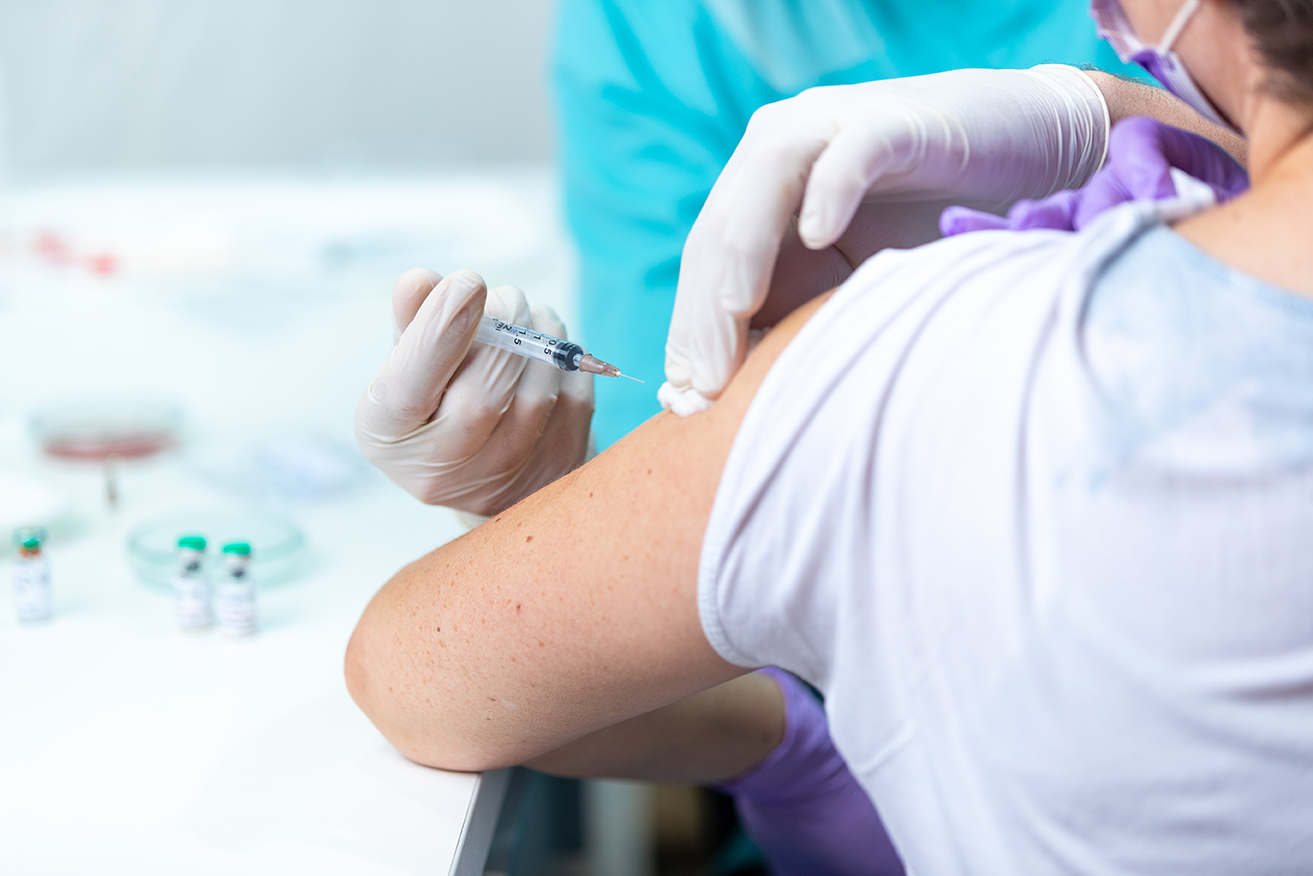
(649, 471)
(529, 539)
(517, 608)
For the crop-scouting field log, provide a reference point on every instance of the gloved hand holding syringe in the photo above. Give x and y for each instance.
(472, 425)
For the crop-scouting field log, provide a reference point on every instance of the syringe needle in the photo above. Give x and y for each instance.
(627, 377)
(592, 365)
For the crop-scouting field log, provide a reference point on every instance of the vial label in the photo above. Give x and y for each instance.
(191, 601)
(32, 598)
(235, 606)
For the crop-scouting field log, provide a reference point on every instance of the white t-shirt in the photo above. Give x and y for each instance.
(1034, 511)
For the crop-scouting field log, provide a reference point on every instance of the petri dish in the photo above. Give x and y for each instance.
(277, 544)
(96, 430)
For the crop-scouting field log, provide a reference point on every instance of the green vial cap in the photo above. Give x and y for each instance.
(237, 547)
(24, 533)
(30, 543)
(192, 542)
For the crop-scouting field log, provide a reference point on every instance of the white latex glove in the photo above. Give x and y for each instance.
(470, 427)
(981, 138)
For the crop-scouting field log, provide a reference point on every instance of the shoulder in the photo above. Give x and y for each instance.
(905, 390)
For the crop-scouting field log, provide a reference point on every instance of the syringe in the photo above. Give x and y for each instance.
(531, 344)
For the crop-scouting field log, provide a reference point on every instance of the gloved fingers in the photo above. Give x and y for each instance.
(408, 388)
(840, 178)
(492, 475)
(1138, 168)
(727, 259)
(705, 345)
(524, 450)
(408, 293)
(519, 432)
(767, 122)
(960, 220)
(546, 320)
(1109, 189)
(753, 215)
(1057, 211)
(482, 388)
(1141, 152)
(1202, 159)
(705, 348)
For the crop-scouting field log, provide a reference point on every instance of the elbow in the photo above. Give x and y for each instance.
(355, 670)
(428, 734)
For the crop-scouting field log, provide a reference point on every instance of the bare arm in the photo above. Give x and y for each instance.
(570, 612)
(711, 736)
(1126, 98)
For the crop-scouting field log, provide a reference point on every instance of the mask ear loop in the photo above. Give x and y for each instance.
(1178, 24)
(1116, 29)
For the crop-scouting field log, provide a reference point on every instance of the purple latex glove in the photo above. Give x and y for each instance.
(803, 807)
(1141, 153)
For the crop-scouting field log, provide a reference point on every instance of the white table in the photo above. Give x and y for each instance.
(126, 745)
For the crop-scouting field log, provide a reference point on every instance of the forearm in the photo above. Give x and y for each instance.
(570, 612)
(1127, 98)
(712, 736)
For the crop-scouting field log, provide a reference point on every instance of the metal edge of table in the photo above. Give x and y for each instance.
(480, 822)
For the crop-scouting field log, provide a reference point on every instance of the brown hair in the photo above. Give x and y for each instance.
(1283, 33)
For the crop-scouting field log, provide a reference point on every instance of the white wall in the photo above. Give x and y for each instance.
(95, 85)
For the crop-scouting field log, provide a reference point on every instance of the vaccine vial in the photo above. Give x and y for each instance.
(32, 598)
(191, 585)
(235, 600)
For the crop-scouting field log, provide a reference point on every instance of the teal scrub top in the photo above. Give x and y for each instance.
(652, 96)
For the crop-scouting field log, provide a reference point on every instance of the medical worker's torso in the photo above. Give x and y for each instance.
(1033, 510)
(654, 96)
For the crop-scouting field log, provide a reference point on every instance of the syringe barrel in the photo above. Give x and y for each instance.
(524, 341)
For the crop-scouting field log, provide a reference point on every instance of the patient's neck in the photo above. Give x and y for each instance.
(1279, 138)
(1268, 232)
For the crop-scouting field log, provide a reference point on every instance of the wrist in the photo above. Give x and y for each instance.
(1087, 86)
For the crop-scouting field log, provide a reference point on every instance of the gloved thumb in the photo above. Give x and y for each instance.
(407, 389)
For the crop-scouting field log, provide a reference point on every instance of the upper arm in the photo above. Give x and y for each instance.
(570, 611)
(1126, 98)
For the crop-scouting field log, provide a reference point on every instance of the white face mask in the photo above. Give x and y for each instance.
(1162, 63)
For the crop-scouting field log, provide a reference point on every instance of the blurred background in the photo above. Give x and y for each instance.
(94, 85)
(202, 208)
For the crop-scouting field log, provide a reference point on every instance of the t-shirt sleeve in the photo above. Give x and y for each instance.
(837, 479)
